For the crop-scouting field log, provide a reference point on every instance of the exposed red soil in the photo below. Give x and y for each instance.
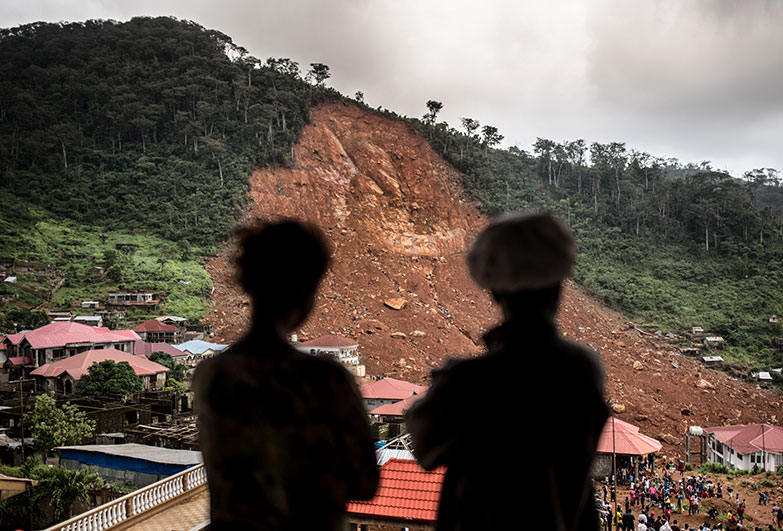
(400, 224)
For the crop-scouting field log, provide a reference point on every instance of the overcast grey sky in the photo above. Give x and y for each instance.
(692, 79)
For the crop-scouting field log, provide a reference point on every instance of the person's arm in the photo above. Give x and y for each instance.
(362, 472)
(431, 421)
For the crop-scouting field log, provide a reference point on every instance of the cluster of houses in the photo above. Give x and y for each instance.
(57, 355)
(708, 347)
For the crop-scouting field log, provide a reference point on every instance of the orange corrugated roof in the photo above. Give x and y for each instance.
(78, 365)
(329, 340)
(391, 389)
(406, 492)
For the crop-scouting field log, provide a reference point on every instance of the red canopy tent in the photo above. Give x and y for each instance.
(624, 438)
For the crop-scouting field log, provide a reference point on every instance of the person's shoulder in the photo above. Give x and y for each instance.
(584, 360)
(206, 371)
(458, 369)
(321, 369)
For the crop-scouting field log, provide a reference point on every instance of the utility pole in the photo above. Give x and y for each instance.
(21, 406)
(614, 459)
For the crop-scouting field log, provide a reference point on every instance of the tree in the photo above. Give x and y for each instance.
(470, 125)
(176, 370)
(576, 156)
(284, 65)
(109, 378)
(62, 488)
(22, 319)
(544, 148)
(359, 96)
(318, 73)
(491, 137)
(53, 425)
(433, 108)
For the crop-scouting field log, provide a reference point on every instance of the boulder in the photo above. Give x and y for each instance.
(617, 407)
(397, 303)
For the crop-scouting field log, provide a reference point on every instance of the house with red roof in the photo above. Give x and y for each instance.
(389, 391)
(395, 412)
(63, 339)
(407, 496)
(745, 446)
(155, 331)
(61, 376)
(344, 350)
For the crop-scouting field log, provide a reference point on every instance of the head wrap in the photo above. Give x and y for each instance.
(522, 252)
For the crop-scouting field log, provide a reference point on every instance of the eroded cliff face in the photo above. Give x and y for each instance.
(400, 224)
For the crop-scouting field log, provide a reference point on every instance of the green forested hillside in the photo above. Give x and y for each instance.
(670, 245)
(142, 131)
(151, 124)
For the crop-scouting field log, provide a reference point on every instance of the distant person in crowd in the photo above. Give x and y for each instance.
(285, 436)
(628, 521)
(503, 422)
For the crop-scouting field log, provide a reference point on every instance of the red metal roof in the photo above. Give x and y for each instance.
(329, 340)
(746, 439)
(153, 325)
(397, 409)
(20, 360)
(145, 349)
(391, 389)
(624, 438)
(406, 492)
(78, 365)
(14, 339)
(61, 333)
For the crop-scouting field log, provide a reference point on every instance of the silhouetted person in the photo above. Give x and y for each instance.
(518, 427)
(285, 436)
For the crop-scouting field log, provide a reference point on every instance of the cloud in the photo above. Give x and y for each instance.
(696, 79)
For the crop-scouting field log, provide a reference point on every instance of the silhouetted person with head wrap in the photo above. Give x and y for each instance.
(518, 427)
(284, 434)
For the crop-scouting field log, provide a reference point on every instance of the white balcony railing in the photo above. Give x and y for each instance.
(136, 503)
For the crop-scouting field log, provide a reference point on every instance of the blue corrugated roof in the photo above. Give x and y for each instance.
(197, 346)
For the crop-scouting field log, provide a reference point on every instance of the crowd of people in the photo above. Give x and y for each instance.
(654, 501)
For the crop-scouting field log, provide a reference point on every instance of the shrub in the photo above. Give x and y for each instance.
(713, 468)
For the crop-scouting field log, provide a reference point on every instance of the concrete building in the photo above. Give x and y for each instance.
(61, 376)
(132, 299)
(344, 350)
(60, 340)
(155, 331)
(389, 391)
(744, 446)
(195, 350)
